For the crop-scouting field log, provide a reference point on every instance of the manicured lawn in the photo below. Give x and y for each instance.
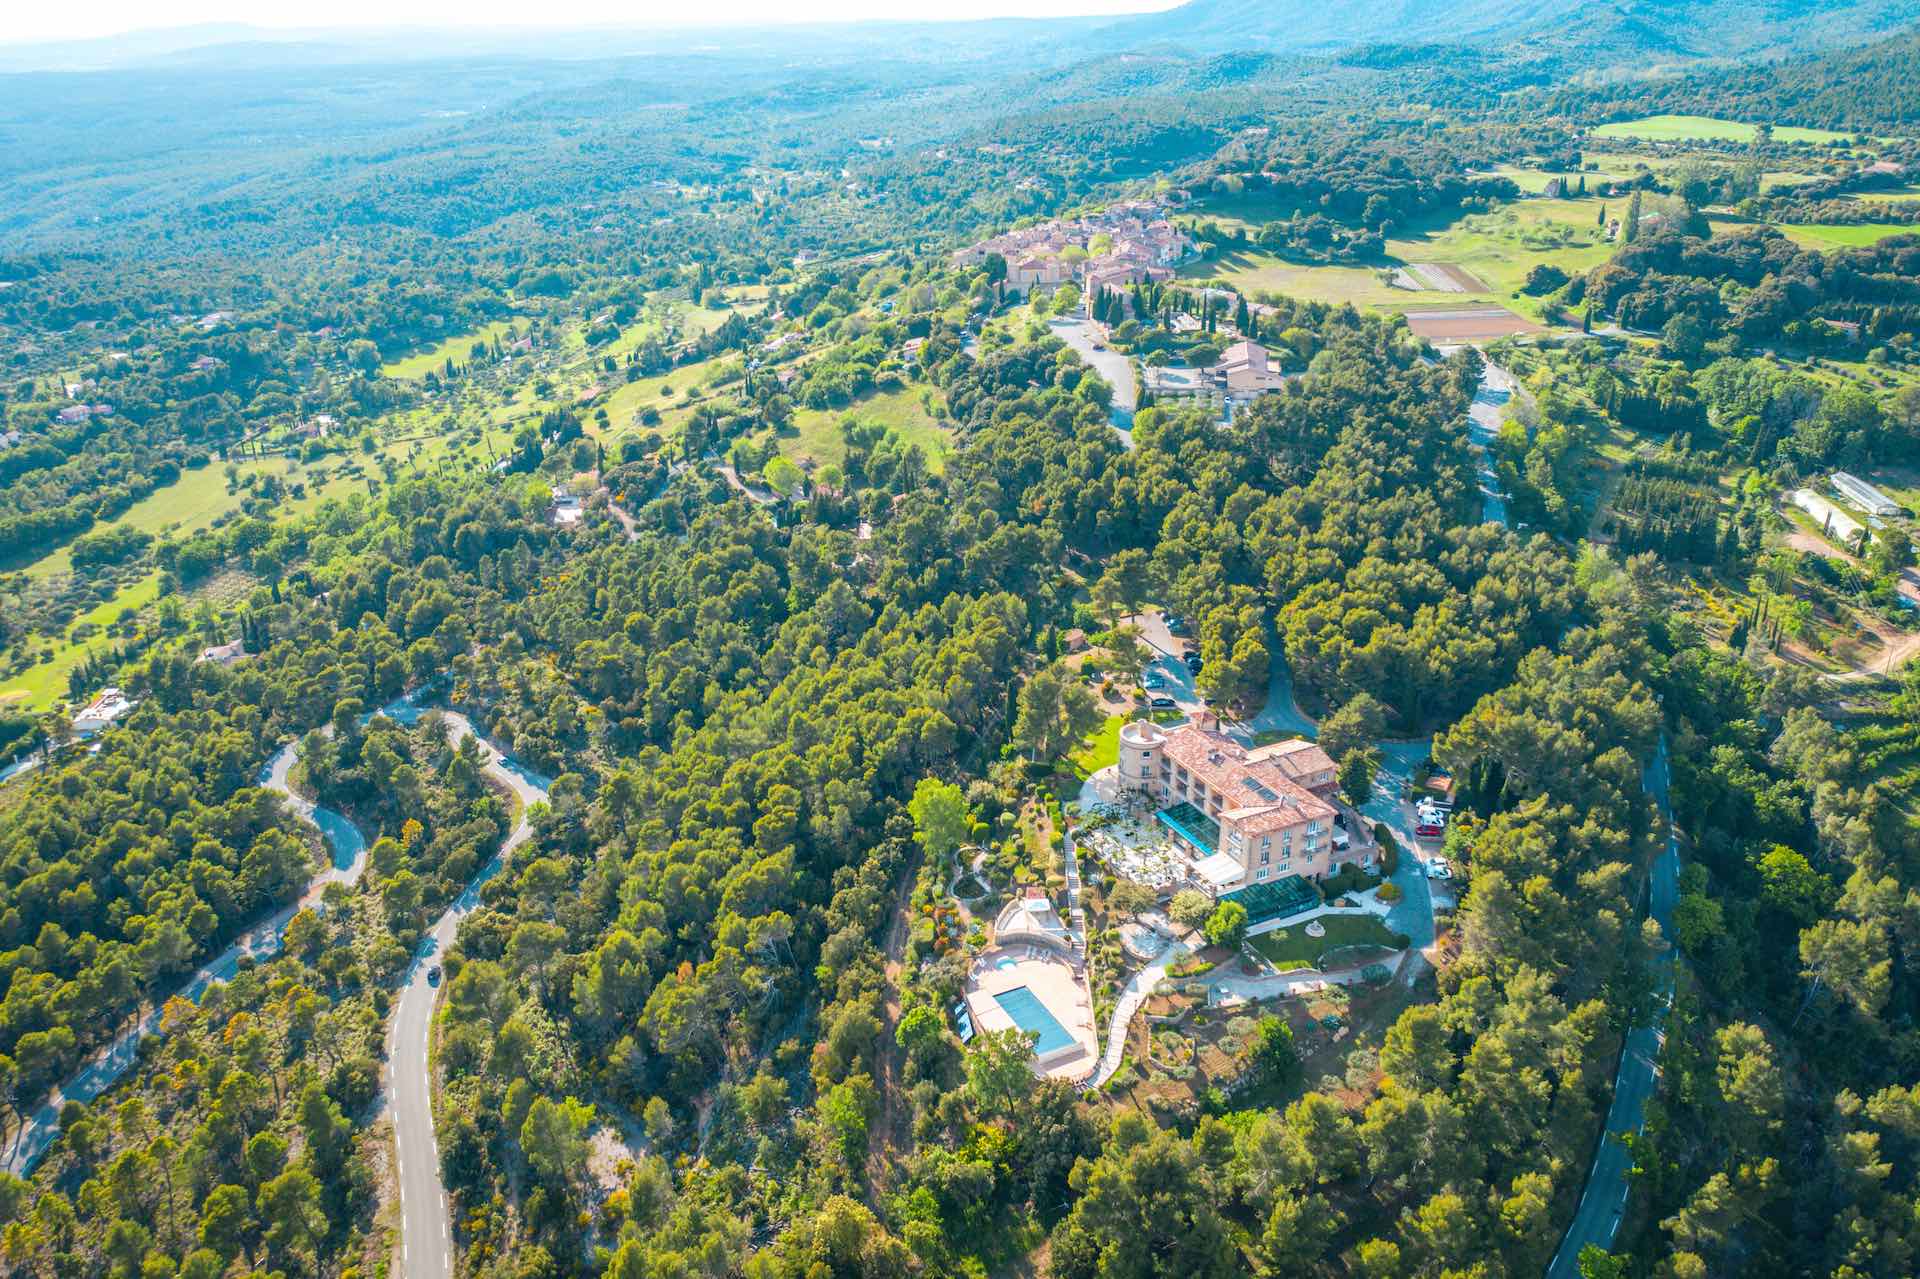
(1684, 128)
(1100, 750)
(814, 434)
(1292, 948)
(456, 348)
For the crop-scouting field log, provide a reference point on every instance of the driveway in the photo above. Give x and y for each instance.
(1391, 805)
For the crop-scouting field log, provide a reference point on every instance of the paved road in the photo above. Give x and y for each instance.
(426, 1241)
(1115, 369)
(1489, 405)
(261, 940)
(1604, 1201)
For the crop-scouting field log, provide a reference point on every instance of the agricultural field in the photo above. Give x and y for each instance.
(1498, 248)
(1700, 128)
(1536, 181)
(672, 393)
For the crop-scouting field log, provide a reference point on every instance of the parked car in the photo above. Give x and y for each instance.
(1439, 869)
(1164, 704)
(1195, 663)
(1431, 816)
(1427, 830)
(1154, 679)
(433, 975)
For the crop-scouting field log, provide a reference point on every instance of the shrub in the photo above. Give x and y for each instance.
(1390, 893)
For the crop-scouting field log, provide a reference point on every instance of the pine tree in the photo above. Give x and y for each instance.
(1630, 231)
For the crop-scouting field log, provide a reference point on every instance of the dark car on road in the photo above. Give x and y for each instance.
(1164, 704)
(433, 975)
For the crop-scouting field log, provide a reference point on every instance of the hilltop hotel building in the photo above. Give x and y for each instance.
(1255, 814)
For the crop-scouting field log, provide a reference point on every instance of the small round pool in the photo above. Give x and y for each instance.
(1004, 963)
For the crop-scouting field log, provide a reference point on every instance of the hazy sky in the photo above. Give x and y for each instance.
(23, 20)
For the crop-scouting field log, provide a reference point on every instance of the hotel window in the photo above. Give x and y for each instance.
(1262, 873)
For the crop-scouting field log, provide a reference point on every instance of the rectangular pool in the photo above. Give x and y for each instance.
(1029, 1013)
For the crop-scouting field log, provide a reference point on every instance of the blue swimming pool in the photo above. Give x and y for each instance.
(1029, 1013)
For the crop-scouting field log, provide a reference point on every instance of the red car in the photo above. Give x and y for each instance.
(1429, 831)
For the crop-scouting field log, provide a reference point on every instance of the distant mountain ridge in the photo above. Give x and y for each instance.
(1610, 29)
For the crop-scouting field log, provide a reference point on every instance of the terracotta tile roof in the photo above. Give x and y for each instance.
(1297, 757)
(1254, 791)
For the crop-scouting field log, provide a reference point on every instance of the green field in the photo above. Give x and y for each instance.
(813, 437)
(1701, 128)
(40, 686)
(1500, 247)
(455, 348)
(1834, 236)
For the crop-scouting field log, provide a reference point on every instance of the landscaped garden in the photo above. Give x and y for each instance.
(1292, 947)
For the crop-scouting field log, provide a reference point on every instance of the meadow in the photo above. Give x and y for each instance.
(457, 348)
(1700, 128)
(813, 437)
(43, 684)
(1822, 235)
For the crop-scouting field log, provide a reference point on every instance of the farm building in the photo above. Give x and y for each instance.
(1835, 523)
(1863, 494)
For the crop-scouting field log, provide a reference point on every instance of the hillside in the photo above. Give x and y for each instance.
(1877, 86)
(1618, 32)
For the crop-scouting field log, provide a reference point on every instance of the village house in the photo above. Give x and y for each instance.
(566, 511)
(1244, 373)
(224, 654)
(1245, 811)
(100, 714)
(1140, 244)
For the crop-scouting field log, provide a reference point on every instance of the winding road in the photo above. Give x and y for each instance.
(426, 1238)
(260, 941)
(426, 1235)
(1604, 1202)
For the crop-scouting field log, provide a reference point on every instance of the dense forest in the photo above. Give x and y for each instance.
(637, 411)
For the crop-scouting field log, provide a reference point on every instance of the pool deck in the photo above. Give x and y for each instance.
(1056, 983)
